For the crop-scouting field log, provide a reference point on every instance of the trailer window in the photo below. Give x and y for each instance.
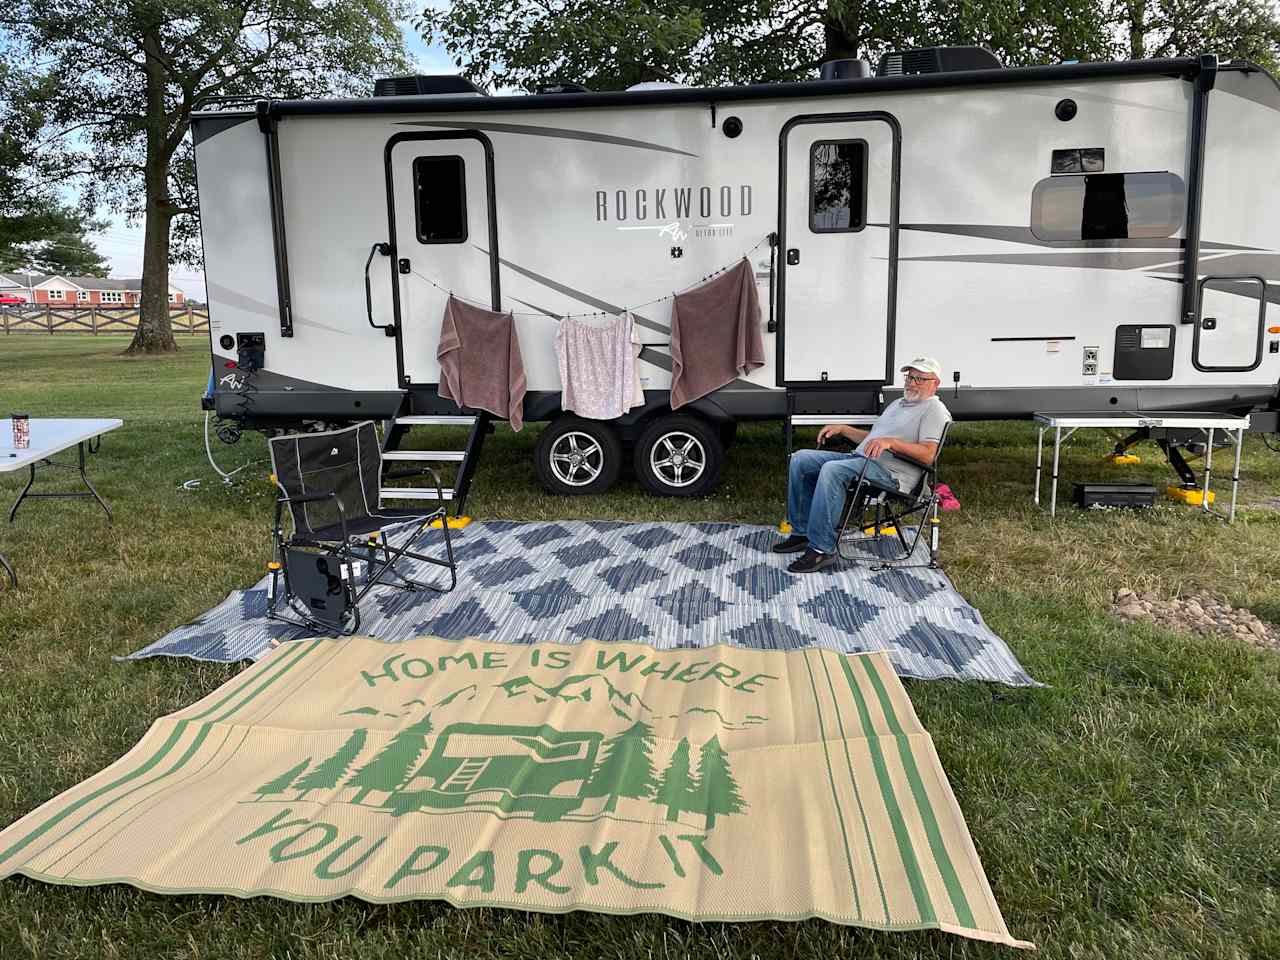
(838, 186)
(1108, 206)
(440, 198)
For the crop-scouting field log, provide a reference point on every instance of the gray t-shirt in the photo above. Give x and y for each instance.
(918, 422)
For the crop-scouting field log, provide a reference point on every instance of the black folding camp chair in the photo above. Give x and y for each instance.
(880, 540)
(331, 483)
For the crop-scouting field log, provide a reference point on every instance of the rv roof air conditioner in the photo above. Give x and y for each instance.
(655, 85)
(418, 86)
(844, 70)
(937, 60)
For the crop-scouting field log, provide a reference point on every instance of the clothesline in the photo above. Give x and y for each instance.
(600, 313)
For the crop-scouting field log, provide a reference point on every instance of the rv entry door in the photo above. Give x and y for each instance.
(839, 220)
(443, 236)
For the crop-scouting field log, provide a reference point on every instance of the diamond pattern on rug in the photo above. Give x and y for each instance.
(542, 533)
(652, 537)
(501, 572)
(691, 604)
(615, 624)
(581, 553)
(762, 581)
(468, 619)
(702, 556)
(548, 599)
(669, 585)
(836, 608)
(626, 577)
(905, 585)
(770, 634)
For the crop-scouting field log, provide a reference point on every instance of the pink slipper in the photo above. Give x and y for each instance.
(946, 499)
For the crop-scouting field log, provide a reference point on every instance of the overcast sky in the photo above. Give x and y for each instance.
(121, 243)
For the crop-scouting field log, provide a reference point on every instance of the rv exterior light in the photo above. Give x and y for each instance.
(732, 127)
(1065, 110)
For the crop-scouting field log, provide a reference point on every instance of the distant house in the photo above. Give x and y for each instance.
(62, 291)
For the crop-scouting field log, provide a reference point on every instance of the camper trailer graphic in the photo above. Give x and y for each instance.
(534, 769)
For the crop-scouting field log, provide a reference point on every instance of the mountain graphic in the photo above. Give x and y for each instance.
(580, 688)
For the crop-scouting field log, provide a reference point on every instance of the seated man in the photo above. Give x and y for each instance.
(819, 478)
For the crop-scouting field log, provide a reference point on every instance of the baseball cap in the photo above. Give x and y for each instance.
(924, 365)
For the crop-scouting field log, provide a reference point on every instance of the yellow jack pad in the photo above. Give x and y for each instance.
(784, 527)
(454, 523)
(1122, 459)
(1193, 497)
(884, 531)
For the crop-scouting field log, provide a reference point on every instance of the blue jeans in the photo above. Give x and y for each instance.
(816, 489)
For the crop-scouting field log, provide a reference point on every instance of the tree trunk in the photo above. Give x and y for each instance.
(840, 44)
(155, 333)
(1137, 29)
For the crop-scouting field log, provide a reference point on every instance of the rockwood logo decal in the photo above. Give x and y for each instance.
(678, 211)
(711, 783)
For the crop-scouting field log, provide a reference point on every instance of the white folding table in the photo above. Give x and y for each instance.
(50, 437)
(1071, 422)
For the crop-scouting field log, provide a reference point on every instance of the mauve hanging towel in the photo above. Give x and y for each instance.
(480, 363)
(715, 335)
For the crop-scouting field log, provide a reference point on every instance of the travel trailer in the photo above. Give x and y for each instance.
(1077, 237)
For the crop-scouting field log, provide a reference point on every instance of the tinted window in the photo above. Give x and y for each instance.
(837, 186)
(439, 192)
(1107, 206)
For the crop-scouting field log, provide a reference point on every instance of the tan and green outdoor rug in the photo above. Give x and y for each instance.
(711, 784)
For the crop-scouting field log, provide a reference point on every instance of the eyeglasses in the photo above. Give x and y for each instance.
(915, 378)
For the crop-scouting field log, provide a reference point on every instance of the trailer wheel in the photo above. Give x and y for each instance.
(576, 456)
(679, 456)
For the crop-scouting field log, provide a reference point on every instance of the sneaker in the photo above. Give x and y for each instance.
(811, 562)
(793, 544)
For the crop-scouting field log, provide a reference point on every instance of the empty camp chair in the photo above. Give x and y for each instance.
(330, 482)
(873, 542)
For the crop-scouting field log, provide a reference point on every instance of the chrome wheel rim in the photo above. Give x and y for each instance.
(576, 458)
(678, 459)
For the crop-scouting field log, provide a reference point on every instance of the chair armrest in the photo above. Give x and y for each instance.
(913, 461)
(311, 498)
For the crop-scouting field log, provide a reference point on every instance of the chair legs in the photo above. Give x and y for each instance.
(382, 559)
(886, 518)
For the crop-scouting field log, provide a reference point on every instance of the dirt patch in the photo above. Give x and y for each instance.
(1198, 613)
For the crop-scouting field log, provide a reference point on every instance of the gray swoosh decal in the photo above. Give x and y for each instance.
(1011, 234)
(238, 300)
(557, 132)
(579, 295)
(1244, 289)
(1102, 260)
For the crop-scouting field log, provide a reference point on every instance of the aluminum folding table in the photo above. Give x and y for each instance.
(1071, 422)
(50, 437)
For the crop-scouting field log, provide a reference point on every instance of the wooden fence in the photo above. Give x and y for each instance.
(93, 320)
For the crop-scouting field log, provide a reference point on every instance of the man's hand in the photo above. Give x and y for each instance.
(879, 445)
(833, 430)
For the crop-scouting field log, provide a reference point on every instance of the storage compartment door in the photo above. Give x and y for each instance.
(1229, 331)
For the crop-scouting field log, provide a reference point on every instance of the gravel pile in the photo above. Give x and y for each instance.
(1202, 614)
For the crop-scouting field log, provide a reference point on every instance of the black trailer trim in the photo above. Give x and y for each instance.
(1174, 68)
(1205, 78)
(268, 125)
(895, 190)
(495, 288)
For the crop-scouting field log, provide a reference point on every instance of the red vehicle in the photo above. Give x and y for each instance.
(7, 298)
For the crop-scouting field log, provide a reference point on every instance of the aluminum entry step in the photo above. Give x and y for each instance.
(821, 419)
(454, 456)
(423, 420)
(414, 493)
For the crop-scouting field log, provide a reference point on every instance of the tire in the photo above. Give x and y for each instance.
(695, 447)
(593, 442)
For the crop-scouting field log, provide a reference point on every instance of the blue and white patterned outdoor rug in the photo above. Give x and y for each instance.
(670, 585)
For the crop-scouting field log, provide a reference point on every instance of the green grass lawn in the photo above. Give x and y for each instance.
(1130, 809)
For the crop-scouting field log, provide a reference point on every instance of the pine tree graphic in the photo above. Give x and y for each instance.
(390, 767)
(283, 782)
(676, 790)
(717, 793)
(327, 775)
(624, 768)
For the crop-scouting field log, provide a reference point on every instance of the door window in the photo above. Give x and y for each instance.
(440, 199)
(838, 186)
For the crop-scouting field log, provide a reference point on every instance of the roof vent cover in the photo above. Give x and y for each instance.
(844, 70)
(417, 86)
(937, 60)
